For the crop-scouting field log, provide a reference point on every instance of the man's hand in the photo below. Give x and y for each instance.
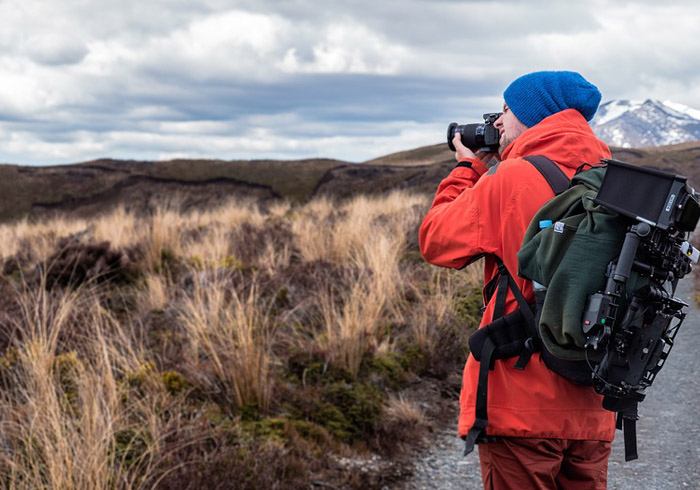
(489, 159)
(462, 153)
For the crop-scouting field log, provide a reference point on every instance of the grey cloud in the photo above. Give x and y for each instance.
(133, 79)
(331, 99)
(51, 53)
(466, 26)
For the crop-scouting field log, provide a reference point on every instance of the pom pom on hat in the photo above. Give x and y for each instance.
(537, 95)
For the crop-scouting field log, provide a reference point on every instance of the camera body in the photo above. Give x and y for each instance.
(477, 136)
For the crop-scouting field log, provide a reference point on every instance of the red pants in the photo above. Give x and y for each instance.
(544, 464)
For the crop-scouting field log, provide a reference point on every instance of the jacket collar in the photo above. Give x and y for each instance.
(565, 137)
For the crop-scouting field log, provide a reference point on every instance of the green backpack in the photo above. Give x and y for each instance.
(567, 249)
(605, 263)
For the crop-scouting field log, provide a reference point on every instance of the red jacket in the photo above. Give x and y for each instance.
(478, 212)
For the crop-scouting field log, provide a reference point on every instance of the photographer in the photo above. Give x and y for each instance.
(543, 431)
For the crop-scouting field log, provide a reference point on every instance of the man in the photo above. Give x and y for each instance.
(544, 432)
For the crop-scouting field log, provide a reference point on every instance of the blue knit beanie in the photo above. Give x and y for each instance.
(537, 95)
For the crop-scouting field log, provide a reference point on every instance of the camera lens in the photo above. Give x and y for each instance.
(451, 134)
(472, 135)
(476, 136)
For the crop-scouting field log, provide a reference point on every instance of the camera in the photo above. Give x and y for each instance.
(477, 136)
(635, 332)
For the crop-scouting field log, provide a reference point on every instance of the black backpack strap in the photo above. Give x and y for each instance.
(528, 325)
(506, 336)
(500, 285)
(627, 422)
(559, 182)
(481, 419)
(506, 281)
(512, 334)
(501, 289)
(555, 177)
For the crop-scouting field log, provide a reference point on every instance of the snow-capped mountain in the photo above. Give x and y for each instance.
(634, 124)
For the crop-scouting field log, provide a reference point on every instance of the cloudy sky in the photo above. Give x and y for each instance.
(355, 79)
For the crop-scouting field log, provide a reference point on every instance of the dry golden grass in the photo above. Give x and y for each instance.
(351, 325)
(405, 412)
(326, 230)
(37, 240)
(157, 294)
(119, 227)
(97, 379)
(61, 412)
(230, 337)
(437, 300)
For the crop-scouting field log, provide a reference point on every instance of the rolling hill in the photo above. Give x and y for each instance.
(89, 187)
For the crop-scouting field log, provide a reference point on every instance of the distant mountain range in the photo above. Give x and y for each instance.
(636, 124)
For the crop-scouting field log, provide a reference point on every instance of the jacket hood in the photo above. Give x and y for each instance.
(565, 137)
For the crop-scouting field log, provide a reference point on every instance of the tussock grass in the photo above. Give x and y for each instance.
(438, 300)
(238, 343)
(64, 412)
(118, 228)
(230, 342)
(36, 241)
(352, 325)
(157, 294)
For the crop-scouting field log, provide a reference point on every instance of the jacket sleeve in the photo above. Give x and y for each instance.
(465, 218)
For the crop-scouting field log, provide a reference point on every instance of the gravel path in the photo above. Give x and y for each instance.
(668, 432)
